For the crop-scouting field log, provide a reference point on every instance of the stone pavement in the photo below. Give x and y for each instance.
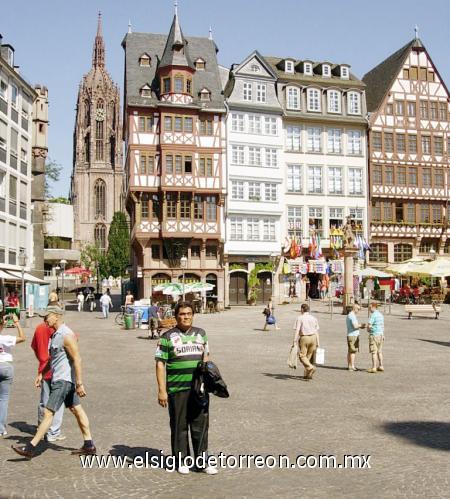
(400, 417)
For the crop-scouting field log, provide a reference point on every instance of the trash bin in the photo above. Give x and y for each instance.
(129, 321)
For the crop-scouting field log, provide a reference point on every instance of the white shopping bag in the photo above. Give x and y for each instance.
(320, 356)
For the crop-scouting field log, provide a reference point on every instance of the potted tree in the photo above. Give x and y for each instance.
(253, 285)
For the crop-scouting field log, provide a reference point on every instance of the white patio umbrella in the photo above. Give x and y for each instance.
(371, 272)
(172, 288)
(434, 268)
(409, 267)
(198, 287)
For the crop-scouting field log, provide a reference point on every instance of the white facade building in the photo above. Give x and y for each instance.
(255, 199)
(324, 159)
(16, 104)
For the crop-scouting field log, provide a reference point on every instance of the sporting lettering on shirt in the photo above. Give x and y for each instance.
(181, 353)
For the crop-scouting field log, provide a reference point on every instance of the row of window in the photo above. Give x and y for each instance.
(315, 138)
(428, 110)
(253, 191)
(194, 250)
(10, 93)
(253, 123)
(337, 177)
(184, 206)
(412, 213)
(411, 176)
(418, 73)
(176, 164)
(178, 84)
(323, 69)
(316, 100)
(252, 229)
(18, 144)
(336, 216)
(10, 236)
(404, 251)
(402, 143)
(13, 196)
(186, 124)
(254, 156)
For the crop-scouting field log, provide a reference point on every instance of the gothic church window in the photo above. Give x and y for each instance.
(100, 198)
(99, 130)
(100, 237)
(87, 113)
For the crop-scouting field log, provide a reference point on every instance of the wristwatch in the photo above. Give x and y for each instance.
(77, 385)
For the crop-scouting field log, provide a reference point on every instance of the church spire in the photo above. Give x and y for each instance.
(98, 56)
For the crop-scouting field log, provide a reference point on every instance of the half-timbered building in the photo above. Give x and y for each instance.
(175, 141)
(409, 146)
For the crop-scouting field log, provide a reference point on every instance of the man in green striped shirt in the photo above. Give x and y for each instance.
(179, 351)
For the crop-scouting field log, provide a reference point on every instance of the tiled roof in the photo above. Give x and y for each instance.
(136, 76)
(299, 77)
(380, 79)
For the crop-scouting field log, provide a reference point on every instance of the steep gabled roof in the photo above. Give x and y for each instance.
(153, 44)
(176, 51)
(381, 78)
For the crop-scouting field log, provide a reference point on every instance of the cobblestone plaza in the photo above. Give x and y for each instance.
(399, 417)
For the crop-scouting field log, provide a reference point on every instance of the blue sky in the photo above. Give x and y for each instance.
(53, 39)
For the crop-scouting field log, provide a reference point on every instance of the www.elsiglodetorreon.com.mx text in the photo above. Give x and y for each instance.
(224, 461)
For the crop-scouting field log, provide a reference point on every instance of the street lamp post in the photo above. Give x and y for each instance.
(183, 263)
(57, 268)
(63, 264)
(22, 265)
(274, 261)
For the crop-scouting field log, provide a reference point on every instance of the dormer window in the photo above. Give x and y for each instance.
(289, 66)
(146, 91)
(345, 73)
(313, 97)
(293, 98)
(199, 64)
(326, 70)
(354, 103)
(308, 68)
(145, 60)
(205, 95)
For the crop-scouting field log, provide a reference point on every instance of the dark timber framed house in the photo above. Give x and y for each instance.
(174, 142)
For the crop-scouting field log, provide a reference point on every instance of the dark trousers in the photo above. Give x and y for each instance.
(186, 415)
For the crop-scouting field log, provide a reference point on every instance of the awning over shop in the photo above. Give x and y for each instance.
(5, 275)
(17, 276)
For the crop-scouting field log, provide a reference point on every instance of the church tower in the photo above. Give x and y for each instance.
(96, 186)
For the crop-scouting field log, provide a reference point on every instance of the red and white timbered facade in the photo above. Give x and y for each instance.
(175, 142)
(409, 157)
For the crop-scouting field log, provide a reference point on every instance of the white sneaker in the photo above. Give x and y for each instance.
(56, 438)
(3, 433)
(183, 470)
(210, 470)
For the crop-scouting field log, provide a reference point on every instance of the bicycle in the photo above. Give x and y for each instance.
(120, 317)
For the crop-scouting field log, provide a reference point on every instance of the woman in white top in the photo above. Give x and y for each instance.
(6, 368)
